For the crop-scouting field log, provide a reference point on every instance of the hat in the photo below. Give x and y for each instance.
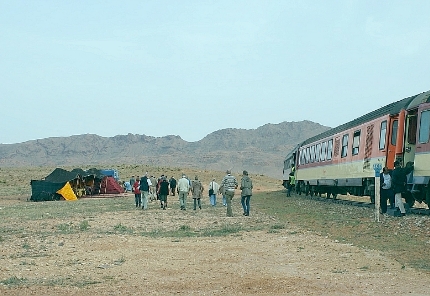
(228, 172)
(245, 173)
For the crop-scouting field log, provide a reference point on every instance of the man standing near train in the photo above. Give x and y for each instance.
(386, 192)
(398, 179)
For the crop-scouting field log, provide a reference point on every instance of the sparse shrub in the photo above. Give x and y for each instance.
(184, 228)
(13, 281)
(121, 228)
(277, 226)
(64, 228)
(84, 225)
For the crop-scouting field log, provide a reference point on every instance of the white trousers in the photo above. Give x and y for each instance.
(399, 202)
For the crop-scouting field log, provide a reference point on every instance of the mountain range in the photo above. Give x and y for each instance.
(260, 151)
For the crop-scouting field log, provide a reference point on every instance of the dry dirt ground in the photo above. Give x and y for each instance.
(262, 260)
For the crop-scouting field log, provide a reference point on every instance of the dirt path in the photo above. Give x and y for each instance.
(266, 261)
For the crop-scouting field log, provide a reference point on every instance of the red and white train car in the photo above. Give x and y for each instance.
(341, 160)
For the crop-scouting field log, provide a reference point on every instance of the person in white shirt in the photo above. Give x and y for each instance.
(183, 189)
(213, 190)
(386, 190)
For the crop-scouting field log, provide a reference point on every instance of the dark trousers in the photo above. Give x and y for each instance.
(197, 203)
(245, 204)
(386, 194)
(137, 199)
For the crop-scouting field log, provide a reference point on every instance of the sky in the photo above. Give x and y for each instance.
(190, 68)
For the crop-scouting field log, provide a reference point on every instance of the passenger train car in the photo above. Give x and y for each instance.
(341, 160)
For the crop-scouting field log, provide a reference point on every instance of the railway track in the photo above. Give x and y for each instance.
(415, 211)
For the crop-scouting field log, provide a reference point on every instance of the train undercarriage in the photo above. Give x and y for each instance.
(367, 188)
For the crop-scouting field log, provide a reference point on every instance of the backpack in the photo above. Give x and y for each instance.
(144, 184)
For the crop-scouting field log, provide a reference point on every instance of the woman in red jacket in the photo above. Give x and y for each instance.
(137, 195)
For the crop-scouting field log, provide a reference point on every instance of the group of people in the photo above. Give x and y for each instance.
(392, 185)
(148, 188)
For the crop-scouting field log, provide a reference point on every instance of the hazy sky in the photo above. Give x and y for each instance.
(189, 68)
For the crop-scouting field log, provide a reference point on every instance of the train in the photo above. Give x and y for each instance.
(342, 160)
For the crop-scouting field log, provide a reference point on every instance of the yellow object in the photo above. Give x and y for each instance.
(67, 192)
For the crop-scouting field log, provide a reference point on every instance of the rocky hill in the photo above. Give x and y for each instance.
(260, 150)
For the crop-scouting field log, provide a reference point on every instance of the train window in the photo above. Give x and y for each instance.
(412, 129)
(344, 151)
(356, 142)
(318, 152)
(323, 151)
(394, 132)
(302, 157)
(329, 149)
(424, 126)
(382, 135)
(307, 155)
(312, 152)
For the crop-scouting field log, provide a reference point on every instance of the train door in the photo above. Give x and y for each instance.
(391, 130)
(410, 136)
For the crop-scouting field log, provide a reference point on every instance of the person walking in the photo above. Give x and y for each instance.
(144, 190)
(163, 192)
(398, 180)
(229, 182)
(213, 191)
(183, 189)
(197, 191)
(132, 181)
(246, 187)
(222, 192)
(153, 188)
(137, 195)
(172, 183)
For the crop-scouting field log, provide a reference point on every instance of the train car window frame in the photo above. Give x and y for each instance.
(312, 153)
(356, 142)
(318, 152)
(329, 149)
(344, 151)
(412, 129)
(424, 132)
(323, 151)
(382, 135)
(394, 128)
(307, 155)
(302, 157)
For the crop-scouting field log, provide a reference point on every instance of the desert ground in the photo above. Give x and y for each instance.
(106, 246)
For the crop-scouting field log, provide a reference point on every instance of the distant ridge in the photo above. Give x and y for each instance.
(260, 151)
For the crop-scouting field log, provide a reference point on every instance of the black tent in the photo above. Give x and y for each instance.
(42, 190)
(61, 176)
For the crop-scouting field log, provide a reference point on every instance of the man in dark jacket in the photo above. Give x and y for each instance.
(144, 188)
(399, 181)
(172, 183)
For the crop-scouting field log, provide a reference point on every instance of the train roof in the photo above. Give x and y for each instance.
(390, 109)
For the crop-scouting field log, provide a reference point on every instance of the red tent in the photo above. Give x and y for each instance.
(110, 186)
